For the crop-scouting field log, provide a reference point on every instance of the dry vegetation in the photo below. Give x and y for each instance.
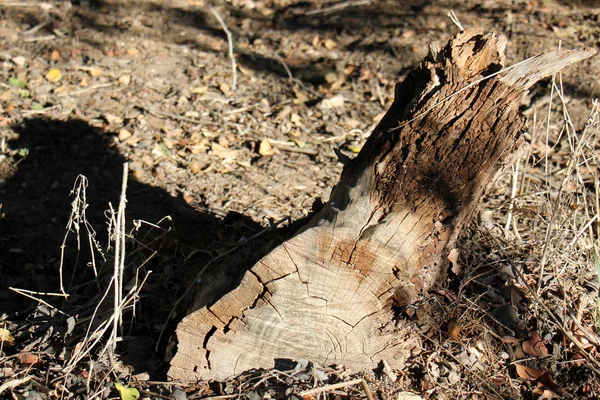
(91, 307)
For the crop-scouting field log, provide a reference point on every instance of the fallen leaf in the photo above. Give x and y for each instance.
(508, 339)
(330, 44)
(530, 374)
(544, 394)
(62, 90)
(224, 153)
(95, 72)
(55, 56)
(6, 337)
(453, 258)
(127, 393)
(19, 61)
(195, 167)
(125, 79)
(546, 380)
(534, 346)
(454, 328)
(301, 97)
(28, 358)
(332, 102)
(113, 119)
(53, 75)
(124, 134)
(265, 148)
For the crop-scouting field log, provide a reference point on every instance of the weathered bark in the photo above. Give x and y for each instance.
(329, 293)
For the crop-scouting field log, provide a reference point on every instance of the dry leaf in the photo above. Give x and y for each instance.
(62, 90)
(333, 102)
(453, 258)
(95, 72)
(454, 328)
(55, 56)
(265, 148)
(6, 337)
(53, 75)
(224, 153)
(546, 380)
(315, 41)
(124, 134)
(19, 61)
(28, 358)
(530, 374)
(544, 394)
(508, 339)
(329, 44)
(113, 119)
(125, 79)
(195, 167)
(534, 346)
(301, 97)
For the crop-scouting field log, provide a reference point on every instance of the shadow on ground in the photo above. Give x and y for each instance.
(36, 207)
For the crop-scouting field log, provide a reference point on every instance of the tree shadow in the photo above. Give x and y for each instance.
(36, 206)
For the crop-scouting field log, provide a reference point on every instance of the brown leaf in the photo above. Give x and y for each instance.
(55, 56)
(534, 346)
(28, 358)
(454, 328)
(508, 339)
(530, 374)
(546, 380)
(223, 152)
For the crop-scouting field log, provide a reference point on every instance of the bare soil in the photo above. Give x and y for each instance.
(151, 83)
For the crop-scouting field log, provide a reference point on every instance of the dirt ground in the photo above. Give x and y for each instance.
(88, 85)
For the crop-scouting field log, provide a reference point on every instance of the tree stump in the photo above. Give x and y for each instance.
(331, 293)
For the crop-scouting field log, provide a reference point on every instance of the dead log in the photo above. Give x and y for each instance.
(330, 293)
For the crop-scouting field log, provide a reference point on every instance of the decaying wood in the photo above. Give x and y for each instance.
(330, 293)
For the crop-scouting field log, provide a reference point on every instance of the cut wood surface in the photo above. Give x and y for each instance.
(331, 294)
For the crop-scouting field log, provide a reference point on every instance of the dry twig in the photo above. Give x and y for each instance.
(230, 44)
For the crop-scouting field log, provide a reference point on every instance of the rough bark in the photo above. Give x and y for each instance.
(330, 293)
